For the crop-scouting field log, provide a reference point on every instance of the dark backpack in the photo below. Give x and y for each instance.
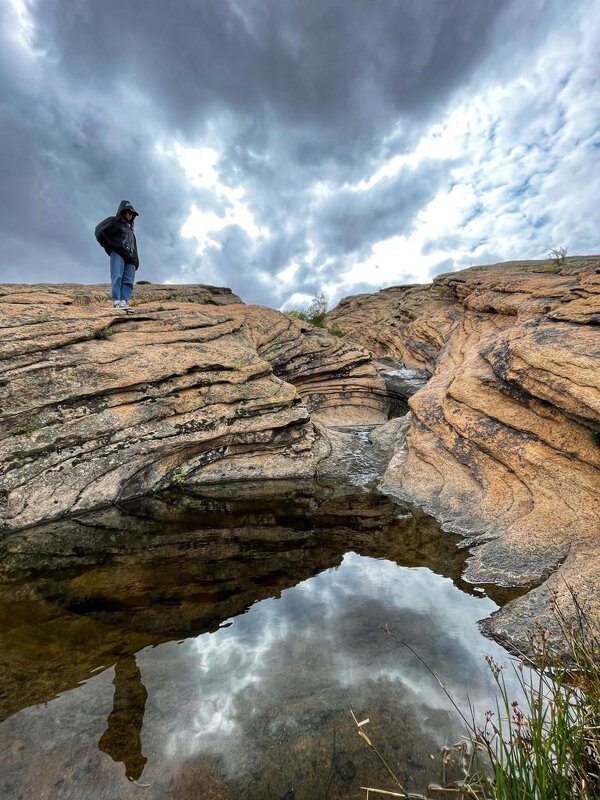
(100, 228)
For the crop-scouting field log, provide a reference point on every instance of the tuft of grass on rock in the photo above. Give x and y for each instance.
(23, 430)
(548, 747)
(178, 477)
(104, 333)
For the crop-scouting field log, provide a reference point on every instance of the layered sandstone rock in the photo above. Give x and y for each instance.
(97, 405)
(502, 443)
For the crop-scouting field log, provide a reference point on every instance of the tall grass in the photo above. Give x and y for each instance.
(545, 746)
(548, 746)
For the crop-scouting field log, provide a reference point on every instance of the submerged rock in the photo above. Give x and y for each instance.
(195, 387)
(502, 443)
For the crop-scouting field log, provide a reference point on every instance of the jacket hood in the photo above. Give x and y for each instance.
(125, 205)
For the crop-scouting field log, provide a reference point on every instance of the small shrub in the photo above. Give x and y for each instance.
(104, 333)
(143, 283)
(315, 312)
(558, 256)
(596, 437)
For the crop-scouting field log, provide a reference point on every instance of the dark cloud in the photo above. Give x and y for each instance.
(288, 94)
(332, 64)
(352, 220)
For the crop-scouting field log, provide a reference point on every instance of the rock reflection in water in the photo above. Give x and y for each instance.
(236, 702)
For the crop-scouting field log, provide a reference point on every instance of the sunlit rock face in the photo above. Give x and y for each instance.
(501, 443)
(99, 405)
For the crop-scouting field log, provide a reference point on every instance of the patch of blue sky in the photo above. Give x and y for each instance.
(521, 189)
(561, 121)
(542, 221)
(475, 212)
(562, 82)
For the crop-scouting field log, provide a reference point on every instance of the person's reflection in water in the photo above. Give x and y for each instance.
(122, 738)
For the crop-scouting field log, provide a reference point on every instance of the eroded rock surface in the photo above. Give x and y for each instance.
(196, 387)
(502, 442)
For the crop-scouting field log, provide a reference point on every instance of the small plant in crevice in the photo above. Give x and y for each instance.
(178, 477)
(23, 430)
(104, 333)
(596, 437)
(334, 330)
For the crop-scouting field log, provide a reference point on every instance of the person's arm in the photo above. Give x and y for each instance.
(134, 259)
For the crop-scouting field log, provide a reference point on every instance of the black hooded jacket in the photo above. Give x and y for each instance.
(116, 235)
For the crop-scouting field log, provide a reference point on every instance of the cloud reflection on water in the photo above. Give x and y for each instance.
(251, 703)
(322, 640)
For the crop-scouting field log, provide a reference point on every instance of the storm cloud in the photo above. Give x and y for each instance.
(284, 148)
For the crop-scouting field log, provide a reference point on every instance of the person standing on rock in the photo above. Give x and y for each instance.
(117, 237)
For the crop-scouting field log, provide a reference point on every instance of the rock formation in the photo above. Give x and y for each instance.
(502, 444)
(196, 387)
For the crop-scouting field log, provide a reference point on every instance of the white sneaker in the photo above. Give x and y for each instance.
(126, 307)
(117, 304)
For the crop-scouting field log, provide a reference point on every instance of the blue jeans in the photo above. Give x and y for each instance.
(122, 276)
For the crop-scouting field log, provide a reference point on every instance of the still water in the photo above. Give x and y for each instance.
(212, 645)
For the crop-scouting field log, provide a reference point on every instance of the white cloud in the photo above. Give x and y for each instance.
(22, 28)
(200, 165)
(525, 151)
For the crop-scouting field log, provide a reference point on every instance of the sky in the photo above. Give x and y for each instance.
(284, 148)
